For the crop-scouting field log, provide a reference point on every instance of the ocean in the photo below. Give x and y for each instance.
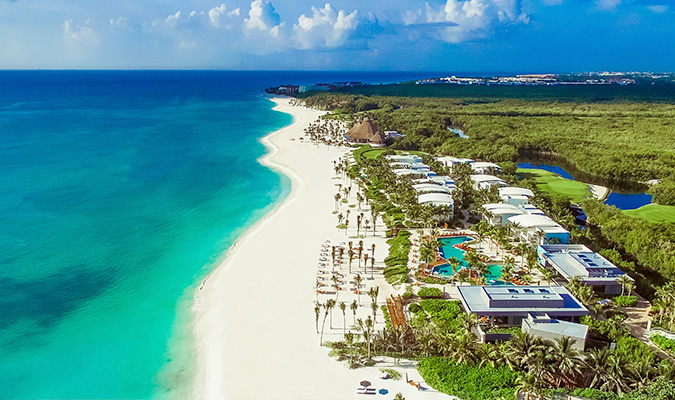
(119, 192)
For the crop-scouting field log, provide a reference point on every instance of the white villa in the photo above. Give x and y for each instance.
(431, 188)
(451, 161)
(484, 168)
(540, 229)
(486, 181)
(515, 195)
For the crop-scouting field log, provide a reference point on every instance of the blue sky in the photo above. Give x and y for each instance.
(451, 35)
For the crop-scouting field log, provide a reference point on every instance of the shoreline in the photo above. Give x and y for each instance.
(254, 325)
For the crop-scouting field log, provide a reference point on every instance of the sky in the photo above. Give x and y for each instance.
(405, 35)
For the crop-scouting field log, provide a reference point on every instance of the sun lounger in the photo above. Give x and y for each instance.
(364, 390)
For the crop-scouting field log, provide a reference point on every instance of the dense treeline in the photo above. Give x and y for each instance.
(660, 92)
(617, 142)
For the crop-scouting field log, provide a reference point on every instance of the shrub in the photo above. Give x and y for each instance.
(385, 312)
(612, 329)
(414, 308)
(595, 394)
(626, 301)
(430, 293)
(394, 374)
(468, 381)
(663, 342)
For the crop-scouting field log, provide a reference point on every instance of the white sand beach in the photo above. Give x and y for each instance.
(598, 192)
(255, 324)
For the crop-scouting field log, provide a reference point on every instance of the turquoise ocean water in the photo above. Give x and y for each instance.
(119, 193)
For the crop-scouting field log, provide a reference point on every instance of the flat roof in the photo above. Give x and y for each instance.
(553, 229)
(506, 300)
(578, 260)
(431, 188)
(562, 328)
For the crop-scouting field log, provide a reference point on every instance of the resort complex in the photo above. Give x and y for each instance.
(480, 276)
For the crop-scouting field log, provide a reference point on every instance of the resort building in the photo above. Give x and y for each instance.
(436, 199)
(378, 140)
(486, 181)
(570, 260)
(449, 162)
(500, 213)
(405, 158)
(410, 172)
(515, 195)
(363, 132)
(431, 188)
(549, 328)
(540, 229)
(509, 305)
(484, 168)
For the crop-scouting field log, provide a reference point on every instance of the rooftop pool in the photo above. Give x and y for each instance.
(448, 251)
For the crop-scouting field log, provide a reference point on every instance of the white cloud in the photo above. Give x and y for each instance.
(658, 9)
(327, 27)
(465, 20)
(216, 15)
(262, 17)
(607, 5)
(75, 33)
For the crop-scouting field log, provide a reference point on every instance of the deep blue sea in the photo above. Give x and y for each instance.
(119, 192)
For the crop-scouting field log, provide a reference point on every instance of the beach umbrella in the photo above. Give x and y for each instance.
(365, 383)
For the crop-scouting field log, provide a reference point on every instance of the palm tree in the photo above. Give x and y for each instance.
(566, 360)
(372, 267)
(337, 197)
(625, 281)
(354, 306)
(343, 307)
(350, 254)
(373, 307)
(366, 329)
(454, 264)
(346, 224)
(527, 384)
(521, 250)
(317, 312)
(330, 303)
(323, 323)
(357, 281)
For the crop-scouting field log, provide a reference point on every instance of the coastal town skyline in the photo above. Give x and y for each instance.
(548, 36)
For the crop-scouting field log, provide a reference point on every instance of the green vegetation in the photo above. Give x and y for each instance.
(595, 394)
(441, 311)
(510, 330)
(616, 142)
(396, 270)
(663, 342)
(653, 213)
(560, 93)
(612, 329)
(393, 374)
(430, 293)
(554, 185)
(626, 301)
(468, 381)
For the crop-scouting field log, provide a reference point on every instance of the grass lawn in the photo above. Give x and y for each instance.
(653, 213)
(554, 185)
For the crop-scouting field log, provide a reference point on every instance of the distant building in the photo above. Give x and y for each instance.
(452, 161)
(571, 260)
(540, 229)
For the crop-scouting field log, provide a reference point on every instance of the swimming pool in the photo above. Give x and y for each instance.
(448, 251)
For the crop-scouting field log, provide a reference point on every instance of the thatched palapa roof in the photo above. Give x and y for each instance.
(378, 138)
(365, 131)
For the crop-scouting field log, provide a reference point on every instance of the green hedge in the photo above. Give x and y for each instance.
(430, 293)
(626, 301)
(396, 270)
(468, 382)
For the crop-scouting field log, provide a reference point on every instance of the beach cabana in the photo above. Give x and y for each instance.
(363, 132)
(378, 140)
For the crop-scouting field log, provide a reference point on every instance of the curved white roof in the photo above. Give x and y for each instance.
(529, 220)
(436, 199)
(485, 178)
(515, 191)
(431, 188)
(407, 171)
